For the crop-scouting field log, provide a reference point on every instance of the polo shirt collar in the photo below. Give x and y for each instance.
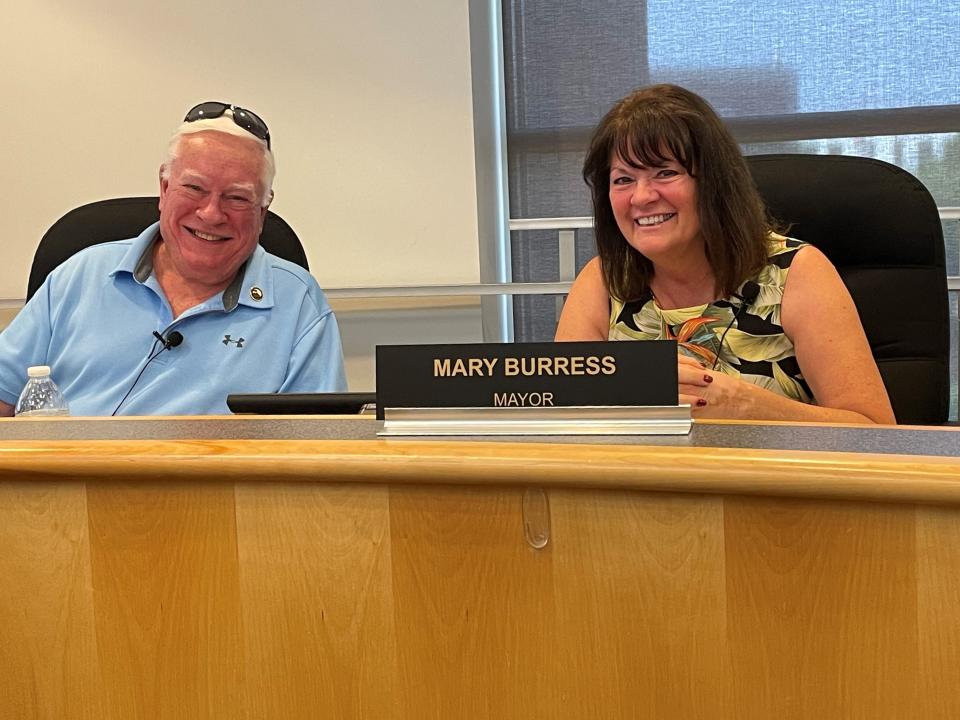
(253, 285)
(138, 260)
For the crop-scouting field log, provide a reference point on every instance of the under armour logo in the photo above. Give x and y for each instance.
(227, 340)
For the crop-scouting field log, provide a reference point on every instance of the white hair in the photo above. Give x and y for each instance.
(222, 124)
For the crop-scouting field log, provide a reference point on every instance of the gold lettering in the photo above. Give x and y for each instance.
(441, 368)
(499, 399)
(459, 368)
(528, 367)
(547, 399)
(544, 366)
(475, 366)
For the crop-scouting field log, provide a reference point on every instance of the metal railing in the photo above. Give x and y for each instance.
(566, 228)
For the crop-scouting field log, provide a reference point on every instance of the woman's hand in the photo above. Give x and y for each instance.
(710, 393)
(819, 317)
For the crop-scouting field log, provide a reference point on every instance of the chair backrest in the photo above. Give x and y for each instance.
(880, 227)
(121, 218)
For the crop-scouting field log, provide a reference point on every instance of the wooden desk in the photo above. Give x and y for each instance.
(240, 576)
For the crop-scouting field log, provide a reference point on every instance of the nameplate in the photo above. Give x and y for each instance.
(492, 375)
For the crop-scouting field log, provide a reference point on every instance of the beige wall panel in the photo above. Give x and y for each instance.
(318, 607)
(806, 582)
(640, 591)
(938, 571)
(474, 609)
(47, 645)
(164, 561)
(369, 105)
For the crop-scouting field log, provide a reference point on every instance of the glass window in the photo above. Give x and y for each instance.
(874, 78)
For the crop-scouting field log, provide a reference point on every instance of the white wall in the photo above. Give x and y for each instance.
(369, 104)
(364, 325)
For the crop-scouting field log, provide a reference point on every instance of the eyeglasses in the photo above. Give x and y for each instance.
(247, 119)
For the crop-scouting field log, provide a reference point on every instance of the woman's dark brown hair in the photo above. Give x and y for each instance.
(649, 127)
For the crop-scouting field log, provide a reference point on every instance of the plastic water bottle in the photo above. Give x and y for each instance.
(41, 397)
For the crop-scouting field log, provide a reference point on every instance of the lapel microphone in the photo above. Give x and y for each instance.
(749, 296)
(172, 340)
(750, 293)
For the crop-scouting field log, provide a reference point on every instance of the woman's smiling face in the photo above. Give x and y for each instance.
(655, 207)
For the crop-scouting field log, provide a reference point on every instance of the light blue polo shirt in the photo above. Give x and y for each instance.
(92, 321)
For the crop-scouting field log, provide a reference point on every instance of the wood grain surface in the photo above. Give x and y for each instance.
(787, 473)
(308, 579)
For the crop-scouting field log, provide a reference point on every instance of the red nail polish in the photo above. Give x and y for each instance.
(707, 378)
(701, 402)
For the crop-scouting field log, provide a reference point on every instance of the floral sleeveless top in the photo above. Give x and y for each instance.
(754, 347)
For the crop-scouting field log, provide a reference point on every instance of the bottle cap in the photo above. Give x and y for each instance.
(38, 371)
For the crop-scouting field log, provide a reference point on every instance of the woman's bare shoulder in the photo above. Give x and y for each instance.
(586, 310)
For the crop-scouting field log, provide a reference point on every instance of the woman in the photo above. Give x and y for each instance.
(687, 252)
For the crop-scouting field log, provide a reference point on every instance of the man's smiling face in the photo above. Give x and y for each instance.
(211, 210)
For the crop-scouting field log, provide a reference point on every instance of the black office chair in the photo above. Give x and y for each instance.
(880, 227)
(122, 218)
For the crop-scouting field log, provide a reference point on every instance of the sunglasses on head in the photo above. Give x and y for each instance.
(247, 119)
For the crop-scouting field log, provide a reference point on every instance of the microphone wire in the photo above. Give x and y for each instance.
(746, 300)
(171, 341)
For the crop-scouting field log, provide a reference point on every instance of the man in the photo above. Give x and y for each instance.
(191, 310)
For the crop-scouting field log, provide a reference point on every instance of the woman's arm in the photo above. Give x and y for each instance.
(819, 317)
(818, 314)
(586, 312)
